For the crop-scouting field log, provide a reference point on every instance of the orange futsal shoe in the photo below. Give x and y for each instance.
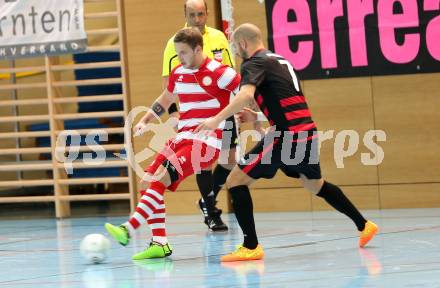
(367, 234)
(244, 254)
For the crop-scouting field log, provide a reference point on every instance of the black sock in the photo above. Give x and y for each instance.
(334, 196)
(204, 181)
(244, 212)
(220, 174)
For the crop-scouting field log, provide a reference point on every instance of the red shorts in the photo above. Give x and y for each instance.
(186, 158)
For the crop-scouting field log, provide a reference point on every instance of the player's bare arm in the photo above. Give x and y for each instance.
(241, 100)
(157, 108)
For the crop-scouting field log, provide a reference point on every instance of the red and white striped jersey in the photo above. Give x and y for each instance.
(202, 93)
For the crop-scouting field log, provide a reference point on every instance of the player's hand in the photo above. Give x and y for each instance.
(173, 120)
(174, 115)
(247, 115)
(208, 124)
(139, 128)
(259, 128)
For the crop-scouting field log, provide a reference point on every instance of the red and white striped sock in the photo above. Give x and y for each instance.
(151, 200)
(156, 222)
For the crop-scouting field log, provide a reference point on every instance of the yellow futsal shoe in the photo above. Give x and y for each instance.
(244, 254)
(367, 234)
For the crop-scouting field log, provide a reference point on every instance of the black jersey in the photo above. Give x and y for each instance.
(278, 92)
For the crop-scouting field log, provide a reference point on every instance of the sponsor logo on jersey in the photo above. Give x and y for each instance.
(182, 159)
(218, 54)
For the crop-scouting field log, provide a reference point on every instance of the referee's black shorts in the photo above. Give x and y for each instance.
(229, 137)
(270, 154)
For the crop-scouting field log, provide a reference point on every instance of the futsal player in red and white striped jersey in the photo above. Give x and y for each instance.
(204, 88)
(202, 92)
(215, 46)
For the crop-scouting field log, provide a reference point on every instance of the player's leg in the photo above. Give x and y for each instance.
(150, 203)
(177, 166)
(227, 159)
(156, 221)
(219, 176)
(204, 183)
(222, 170)
(238, 186)
(210, 183)
(151, 199)
(261, 162)
(336, 198)
(310, 178)
(206, 204)
(152, 207)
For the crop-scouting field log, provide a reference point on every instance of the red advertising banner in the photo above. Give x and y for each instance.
(345, 38)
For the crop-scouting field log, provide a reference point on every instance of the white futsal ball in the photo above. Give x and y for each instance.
(95, 248)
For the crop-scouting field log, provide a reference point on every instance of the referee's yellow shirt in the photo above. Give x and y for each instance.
(215, 46)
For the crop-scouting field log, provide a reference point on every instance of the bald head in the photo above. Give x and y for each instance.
(249, 33)
(247, 40)
(195, 4)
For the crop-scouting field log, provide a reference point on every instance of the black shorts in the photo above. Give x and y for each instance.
(273, 153)
(229, 137)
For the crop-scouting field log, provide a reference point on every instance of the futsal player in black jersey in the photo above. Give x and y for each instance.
(290, 144)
